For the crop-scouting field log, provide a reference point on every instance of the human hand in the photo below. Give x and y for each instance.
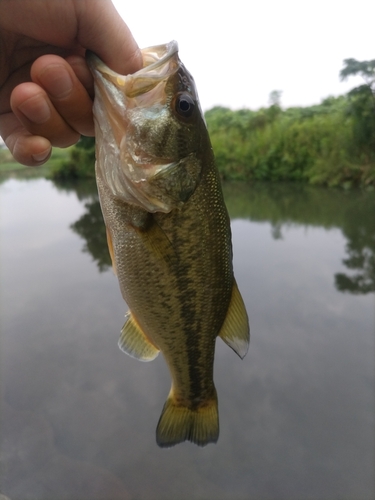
(46, 88)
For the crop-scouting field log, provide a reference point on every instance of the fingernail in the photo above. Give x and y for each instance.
(42, 156)
(35, 109)
(57, 81)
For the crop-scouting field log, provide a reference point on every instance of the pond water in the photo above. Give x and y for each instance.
(78, 417)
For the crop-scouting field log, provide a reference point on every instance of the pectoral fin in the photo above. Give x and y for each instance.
(235, 330)
(134, 342)
(157, 243)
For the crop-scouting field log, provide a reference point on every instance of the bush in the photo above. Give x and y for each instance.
(81, 162)
(329, 144)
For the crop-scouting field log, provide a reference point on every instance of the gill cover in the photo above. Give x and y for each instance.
(137, 121)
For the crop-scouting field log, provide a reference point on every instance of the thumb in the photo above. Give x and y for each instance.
(102, 30)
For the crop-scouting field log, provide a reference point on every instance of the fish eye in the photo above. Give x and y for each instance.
(184, 105)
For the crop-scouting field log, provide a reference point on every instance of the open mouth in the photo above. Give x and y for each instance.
(160, 62)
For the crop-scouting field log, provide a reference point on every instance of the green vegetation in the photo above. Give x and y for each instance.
(8, 163)
(330, 144)
(10, 167)
(79, 164)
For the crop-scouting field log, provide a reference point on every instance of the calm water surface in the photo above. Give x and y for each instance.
(78, 417)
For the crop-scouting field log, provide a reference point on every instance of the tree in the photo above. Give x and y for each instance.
(366, 69)
(274, 98)
(81, 161)
(362, 103)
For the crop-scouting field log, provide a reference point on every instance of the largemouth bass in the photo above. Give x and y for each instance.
(168, 233)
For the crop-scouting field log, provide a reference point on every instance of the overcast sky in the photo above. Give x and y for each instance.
(239, 50)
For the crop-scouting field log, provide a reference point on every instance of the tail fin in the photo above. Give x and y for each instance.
(179, 423)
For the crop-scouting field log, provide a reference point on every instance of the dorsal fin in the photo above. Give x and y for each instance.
(134, 342)
(235, 330)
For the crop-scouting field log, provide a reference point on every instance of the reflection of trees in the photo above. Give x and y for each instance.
(283, 205)
(360, 249)
(84, 189)
(90, 226)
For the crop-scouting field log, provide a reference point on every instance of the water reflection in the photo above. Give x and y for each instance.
(91, 228)
(281, 205)
(360, 234)
(285, 205)
(78, 416)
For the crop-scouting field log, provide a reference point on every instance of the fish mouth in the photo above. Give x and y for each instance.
(159, 62)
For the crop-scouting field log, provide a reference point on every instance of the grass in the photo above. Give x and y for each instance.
(9, 167)
(9, 164)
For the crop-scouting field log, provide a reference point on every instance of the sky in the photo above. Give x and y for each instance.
(239, 51)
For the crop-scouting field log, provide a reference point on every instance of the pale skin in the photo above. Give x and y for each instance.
(46, 88)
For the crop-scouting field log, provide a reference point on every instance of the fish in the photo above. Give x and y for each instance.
(168, 233)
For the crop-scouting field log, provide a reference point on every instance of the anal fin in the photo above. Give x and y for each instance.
(235, 330)
(134, 342)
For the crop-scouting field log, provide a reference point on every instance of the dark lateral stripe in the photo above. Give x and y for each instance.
(198, 371)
